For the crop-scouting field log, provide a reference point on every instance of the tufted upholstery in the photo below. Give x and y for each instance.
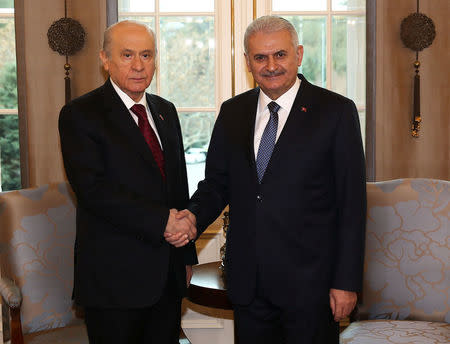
(407, 264)
(37, 236)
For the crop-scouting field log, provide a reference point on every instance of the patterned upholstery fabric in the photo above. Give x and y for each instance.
(407, 264)
(37, 238)
(396, 332)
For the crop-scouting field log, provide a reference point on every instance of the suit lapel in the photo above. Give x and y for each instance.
(161, 121)
(302, 108)
(120, 118)
(249, 114)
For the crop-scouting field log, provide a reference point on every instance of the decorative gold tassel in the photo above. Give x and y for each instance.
(68, 92)
(417, 32)
(416, 113)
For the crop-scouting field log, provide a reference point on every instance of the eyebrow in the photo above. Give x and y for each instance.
(146, 51)
(276, 52)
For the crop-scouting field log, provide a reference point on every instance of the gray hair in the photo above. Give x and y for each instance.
(269, 24)
(107, 36)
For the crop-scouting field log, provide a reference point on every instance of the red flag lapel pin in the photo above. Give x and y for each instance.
(303, 109)
(161, 116)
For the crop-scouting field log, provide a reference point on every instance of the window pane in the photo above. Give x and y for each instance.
(196, 128)
(312, 35)
(349, 57)
(186, 6)
(187, 52)
(349, 5)
(8, 86)
(9, 152)
(136, 5)
(7, 54)
(9, 123)
(6, 4)
(299, 5)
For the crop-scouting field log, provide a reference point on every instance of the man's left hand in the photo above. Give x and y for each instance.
(342, 303)
(189, 273)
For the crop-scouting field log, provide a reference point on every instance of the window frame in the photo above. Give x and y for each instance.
(20, 111)
(371, 70)
(264, 7)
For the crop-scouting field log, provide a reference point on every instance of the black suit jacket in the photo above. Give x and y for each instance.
(301, 231)
(121, 257)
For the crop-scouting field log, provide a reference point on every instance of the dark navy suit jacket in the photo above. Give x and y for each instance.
(301, 231)
(121, 257)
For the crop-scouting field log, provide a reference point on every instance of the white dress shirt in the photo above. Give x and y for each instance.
(263, 114)
(130, 102)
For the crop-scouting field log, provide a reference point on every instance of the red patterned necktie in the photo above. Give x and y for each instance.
(149, 135)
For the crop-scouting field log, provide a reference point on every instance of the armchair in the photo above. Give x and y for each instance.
(406, 291)
(36, 266)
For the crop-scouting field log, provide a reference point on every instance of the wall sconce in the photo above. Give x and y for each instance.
(66, 36)
(417, 32)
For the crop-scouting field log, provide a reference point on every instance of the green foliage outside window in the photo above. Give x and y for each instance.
(187, 61)
(9, 130)
(311, 33)
(9, 145)
(8, 90)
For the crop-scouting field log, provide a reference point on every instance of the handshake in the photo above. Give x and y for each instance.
(181, 227)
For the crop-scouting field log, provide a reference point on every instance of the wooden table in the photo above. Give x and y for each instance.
(208, 289)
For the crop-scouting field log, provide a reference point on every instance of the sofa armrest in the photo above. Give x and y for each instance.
(12, 296)
(10, 293)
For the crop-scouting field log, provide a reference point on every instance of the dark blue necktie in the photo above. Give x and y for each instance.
(267, 141)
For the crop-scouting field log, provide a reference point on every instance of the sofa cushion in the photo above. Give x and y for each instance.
(396, 332)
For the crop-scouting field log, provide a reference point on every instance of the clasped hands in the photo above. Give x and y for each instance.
(181, 227)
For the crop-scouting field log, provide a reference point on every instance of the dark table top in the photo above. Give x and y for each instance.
(207, 286)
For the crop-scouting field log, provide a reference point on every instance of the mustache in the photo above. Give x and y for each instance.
(274, 73)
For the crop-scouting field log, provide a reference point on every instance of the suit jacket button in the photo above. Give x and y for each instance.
(259, 198)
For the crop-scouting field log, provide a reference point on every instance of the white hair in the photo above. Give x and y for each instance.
(269, 24)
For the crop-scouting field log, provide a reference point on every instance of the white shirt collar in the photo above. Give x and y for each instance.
(126, 98)
(285, 101)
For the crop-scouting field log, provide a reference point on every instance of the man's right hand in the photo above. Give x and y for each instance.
(180, 228)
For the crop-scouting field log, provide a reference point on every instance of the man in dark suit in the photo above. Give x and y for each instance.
(287, 157)
(124, 157)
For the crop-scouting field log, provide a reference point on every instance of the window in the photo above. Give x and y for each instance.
(198, 69)
(333, 33)
(9, 120)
